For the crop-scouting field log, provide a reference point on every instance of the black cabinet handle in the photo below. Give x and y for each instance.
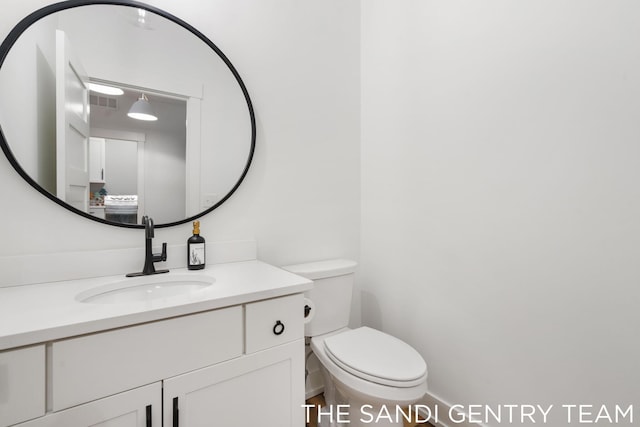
(307, 310)
(175, 412)
(278, 328)
(148, 415)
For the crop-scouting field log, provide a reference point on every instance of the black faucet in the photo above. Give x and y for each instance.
(150, 258)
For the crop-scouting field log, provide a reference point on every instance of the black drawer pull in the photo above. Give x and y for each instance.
(148, 410)
(278, 328)
(176, 412)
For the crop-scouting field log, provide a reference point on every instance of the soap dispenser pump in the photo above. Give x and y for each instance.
(196, 249)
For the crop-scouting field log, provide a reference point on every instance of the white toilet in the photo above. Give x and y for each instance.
(370, 373)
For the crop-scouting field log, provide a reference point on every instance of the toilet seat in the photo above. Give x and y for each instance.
(374, 356)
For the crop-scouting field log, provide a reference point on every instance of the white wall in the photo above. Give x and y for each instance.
(300, 62)
(500, 197)
(121, 157)
(164, 176)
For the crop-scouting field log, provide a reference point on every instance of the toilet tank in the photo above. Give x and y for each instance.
(331, 294)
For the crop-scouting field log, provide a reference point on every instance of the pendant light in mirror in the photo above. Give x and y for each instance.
(141, 110)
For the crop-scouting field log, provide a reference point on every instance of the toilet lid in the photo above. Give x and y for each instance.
(378, 357)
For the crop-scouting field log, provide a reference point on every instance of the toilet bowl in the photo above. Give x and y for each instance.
(370, 375)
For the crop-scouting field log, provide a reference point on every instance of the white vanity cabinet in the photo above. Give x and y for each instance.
(22, 384)
(264, 387)
(141, 407)
(234, 367)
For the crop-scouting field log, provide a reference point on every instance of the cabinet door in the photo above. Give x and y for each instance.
(22, 384)
(265, 388)
(140, 407)
(96, 159)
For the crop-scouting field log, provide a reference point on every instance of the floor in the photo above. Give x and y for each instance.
(319, 401)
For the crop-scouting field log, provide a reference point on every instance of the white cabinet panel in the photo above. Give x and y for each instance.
(265, 388)
(22, 384)
(141, 407)
(96, 159)
(98, 365)
(97, 211)
(273, 322)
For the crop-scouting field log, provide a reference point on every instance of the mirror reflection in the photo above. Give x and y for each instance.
(120, 112)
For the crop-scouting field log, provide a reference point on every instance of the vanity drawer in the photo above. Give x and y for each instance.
(273, 322)
(93, 366)
(22, 384)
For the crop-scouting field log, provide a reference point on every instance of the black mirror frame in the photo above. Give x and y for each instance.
(26, 22)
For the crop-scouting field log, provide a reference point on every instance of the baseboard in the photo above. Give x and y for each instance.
(441, 413)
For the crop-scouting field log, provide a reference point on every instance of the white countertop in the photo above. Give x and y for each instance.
(44, 312)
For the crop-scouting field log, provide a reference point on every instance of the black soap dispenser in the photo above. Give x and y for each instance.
(195, 249)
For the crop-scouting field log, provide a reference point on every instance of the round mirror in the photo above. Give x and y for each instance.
(116, 110)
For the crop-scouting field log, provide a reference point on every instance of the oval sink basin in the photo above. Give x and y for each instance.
(145, 288)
